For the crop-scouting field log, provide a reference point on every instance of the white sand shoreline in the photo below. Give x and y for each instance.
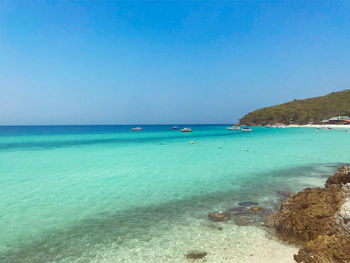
(325, 126)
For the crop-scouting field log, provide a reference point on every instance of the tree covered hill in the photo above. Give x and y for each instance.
(302, 111)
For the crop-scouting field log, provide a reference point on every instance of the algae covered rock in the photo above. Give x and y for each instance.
(340, 178)
(307, 214)
(219, 216)
(318, 219)
(256, 209)
(325, 249)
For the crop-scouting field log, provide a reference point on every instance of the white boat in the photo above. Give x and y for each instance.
(137, 129)
(175, 128)
(186, 130)
(246, 129)
(234, 128)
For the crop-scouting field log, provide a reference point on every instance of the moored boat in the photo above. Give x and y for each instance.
(246, 129)
(234, 128)
(137, 129)
(186, 130)
(175, 128)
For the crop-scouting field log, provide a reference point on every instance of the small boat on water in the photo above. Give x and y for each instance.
(246, 129)
(186, 130)
(175, 128)
(137, 129)
(234, 128)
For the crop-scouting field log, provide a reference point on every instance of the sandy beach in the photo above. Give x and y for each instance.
(341, 126)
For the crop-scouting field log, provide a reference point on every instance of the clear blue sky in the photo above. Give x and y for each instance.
(167, 62)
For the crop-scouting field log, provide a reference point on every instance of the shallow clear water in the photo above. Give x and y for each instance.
(106, 194)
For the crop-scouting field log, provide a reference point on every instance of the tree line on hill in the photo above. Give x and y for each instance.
(301, 111)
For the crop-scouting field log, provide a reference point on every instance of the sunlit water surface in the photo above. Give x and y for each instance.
(107, 194)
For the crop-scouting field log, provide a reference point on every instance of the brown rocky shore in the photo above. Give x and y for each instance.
(318, 219)
(315, 221)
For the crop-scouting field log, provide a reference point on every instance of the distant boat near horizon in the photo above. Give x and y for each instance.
(186, 130)
(234, 128)
(137, 129)
(246, 129)
(175, 128)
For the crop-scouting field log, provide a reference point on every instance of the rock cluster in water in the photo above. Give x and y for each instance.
(247, 213)
(318, 219)
(219, 216)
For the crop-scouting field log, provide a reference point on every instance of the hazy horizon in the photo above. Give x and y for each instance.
(129, 63)
(102, 124)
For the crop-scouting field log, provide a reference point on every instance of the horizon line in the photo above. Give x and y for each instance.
(23, 125)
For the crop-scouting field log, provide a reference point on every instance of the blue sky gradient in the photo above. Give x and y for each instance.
(166, 62)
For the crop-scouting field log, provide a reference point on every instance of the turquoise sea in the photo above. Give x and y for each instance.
(108, 194)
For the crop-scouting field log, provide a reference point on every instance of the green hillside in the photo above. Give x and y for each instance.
(301, 111)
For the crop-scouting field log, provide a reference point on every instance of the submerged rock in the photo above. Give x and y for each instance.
(238, 209)
(214, 226)
(318, 219)
(284, 194)
(219, 216)
(242, 222)
(196, 254)
(248, 203)
(256, 209)
(252, 215)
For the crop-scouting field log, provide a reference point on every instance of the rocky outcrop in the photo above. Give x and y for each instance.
(343, 217)
(318, 219)
(310, 213)
(340, 178)
(325, 249)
